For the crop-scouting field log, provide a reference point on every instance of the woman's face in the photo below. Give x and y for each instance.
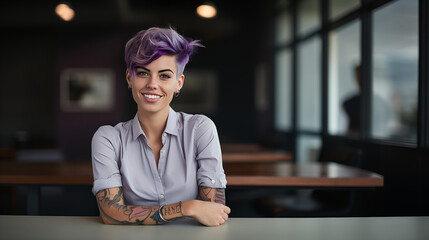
(154, 85)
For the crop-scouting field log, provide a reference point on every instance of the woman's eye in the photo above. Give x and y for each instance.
(142, 74)
(165, 76)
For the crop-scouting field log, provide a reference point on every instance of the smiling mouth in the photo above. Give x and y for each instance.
(151, 96)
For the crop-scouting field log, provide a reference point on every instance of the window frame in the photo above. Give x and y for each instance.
(364, 13)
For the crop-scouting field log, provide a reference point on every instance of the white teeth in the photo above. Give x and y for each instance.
(151, 96)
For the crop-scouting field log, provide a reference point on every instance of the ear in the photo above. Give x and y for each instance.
(128, 77)
(180, 82)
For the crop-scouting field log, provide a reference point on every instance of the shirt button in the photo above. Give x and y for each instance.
(213, 181)
(161, 196)
(164, 134)
(162, 151)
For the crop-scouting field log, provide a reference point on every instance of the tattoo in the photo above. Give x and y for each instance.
(157, 218)
(140, 222)
(172, 210)
(113, 202)
(134, 212)
(130, 211)
(114, 211)
(213, 194)
(105, 215)
(205, 193)
(116, 199)
(220, 196)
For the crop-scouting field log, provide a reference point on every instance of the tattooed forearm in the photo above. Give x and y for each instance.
(134, 212)
(213, 194)
(220, 196)
(114, 211)
(116, 201)
(206, 193)
(157, 218)
(109, 219)
(172, 212)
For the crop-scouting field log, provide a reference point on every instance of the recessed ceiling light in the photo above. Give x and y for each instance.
(65, 12)
(207, 10)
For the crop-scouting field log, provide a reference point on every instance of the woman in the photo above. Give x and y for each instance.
(153, 168)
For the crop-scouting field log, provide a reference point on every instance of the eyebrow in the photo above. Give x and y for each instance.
(160, 71)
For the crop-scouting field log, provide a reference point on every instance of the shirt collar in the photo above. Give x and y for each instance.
(137, 129)
(170, 128)
(172, 124)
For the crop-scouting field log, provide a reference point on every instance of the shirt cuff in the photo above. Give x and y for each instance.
(105, 183)
(211, 179)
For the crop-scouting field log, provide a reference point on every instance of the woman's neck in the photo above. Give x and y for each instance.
(153, 124)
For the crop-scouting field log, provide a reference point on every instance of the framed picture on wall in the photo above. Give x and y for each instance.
(86, 89)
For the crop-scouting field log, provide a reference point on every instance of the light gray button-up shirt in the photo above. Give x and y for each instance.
(190, 157)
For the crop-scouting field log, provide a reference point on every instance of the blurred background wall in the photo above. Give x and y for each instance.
(37, 46)
(275, 72)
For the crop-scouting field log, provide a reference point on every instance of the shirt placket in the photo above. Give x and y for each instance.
(155, 173)
(161, 168)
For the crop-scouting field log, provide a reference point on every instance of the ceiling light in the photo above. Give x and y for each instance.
(207, 10)
(64, 11)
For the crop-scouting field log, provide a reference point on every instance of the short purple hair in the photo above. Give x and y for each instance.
(148, 45)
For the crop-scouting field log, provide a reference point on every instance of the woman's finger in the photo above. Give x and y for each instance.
(227, 210)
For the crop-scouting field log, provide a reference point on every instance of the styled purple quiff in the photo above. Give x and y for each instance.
(148, 45)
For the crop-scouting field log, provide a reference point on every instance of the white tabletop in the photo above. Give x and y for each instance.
(54, 227)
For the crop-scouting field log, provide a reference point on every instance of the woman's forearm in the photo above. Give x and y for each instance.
(212, 194)
(114, 211)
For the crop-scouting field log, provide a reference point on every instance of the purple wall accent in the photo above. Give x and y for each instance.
(75, 129)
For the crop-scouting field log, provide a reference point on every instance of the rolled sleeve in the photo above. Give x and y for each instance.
(105, 183)
(211, 179)
(209, 155)
(104, 159)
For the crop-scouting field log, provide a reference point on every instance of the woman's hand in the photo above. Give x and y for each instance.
(207, 213)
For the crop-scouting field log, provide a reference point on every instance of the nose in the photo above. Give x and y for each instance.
(152, 83)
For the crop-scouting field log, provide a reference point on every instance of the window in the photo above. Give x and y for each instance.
(338, 8)
(344, 80)
(283, 27)
(283, 70)
(394, 94)
(308, 16)
(323, 74)
(308, 148)
(283, 90)
(309, 85)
